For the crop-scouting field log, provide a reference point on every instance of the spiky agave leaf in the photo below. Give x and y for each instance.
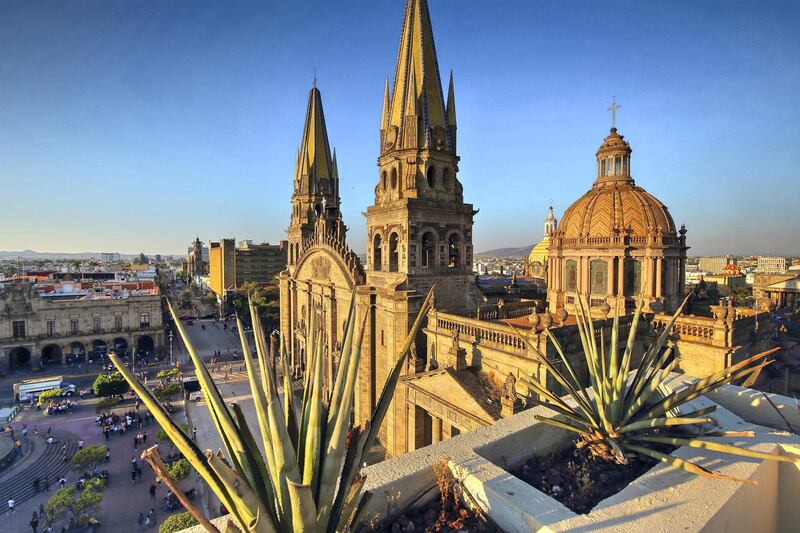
(621, 415)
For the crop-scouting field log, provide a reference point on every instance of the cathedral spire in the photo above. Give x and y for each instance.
(386, 104)
(417, 76)
(451, 103)
(315, 152)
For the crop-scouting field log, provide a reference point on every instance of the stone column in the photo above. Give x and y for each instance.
(621, 277)
(610, 278)
(658, 263)
(436, 429)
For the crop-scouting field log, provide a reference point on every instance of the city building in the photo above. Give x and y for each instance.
(715, 264)
(730, 279)
(56, 323)
(197, 259)
(536, 265)
(780, 291)
(773, 264)
(230, 267)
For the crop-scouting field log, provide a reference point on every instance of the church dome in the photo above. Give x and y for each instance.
(615, 204)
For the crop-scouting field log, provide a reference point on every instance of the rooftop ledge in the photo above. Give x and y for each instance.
(663, 499)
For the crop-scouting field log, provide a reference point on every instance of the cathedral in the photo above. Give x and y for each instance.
(613, 244)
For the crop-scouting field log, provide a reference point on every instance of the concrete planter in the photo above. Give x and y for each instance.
(664, 498)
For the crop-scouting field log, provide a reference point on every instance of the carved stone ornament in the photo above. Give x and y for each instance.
(510, 388)
(321, 267)
(391, 138)
(438, 138)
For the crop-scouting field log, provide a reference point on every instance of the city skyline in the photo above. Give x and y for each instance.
(139, 126)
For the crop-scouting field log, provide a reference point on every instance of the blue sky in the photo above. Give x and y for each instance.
(137, 125)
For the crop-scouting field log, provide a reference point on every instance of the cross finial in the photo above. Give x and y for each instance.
(613, 109)
(315, 77)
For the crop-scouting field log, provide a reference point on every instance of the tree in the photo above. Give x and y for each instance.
(168, 391)
(265, 298)
(73, 506)
(186, 296)
(180, 469)
(110, 385)
(89, 457)
(177, 522)
(166, 375)
(49, 395)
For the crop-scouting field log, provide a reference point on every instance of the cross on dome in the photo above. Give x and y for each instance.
(613, 109)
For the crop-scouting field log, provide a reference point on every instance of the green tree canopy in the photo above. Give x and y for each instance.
(49, 395)
(168, 391)
(177, 522)
(110, 385)
(180, 469)
(89, 457)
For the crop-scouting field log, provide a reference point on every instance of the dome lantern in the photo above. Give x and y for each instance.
(614, 160)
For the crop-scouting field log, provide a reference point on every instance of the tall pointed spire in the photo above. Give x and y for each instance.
(315, 152)
(386, 104)
(451, 102)
(416, 62)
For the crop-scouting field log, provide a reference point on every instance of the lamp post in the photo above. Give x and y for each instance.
(171, 335)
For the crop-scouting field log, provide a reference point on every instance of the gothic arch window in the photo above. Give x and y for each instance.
(428, 250)
(377, 253)
(454, 251)
(383, 180)
(446, 179)
(598, 274)
(393, 253)
(633, 277)
(394, 178)
(571, 274)
(431, 176)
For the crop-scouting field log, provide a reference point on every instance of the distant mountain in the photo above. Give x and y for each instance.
(33, 254)
(521, 251)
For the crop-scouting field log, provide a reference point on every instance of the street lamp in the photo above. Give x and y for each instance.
(171, 335)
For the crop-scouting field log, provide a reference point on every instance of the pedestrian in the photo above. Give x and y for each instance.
(41, 510)
(108, 455)
(34, 522)
(152, 491)
(62, 482)
(140, 521)
(12, 505)
(136, 442)
(36, 485)
(24, 430)
(133, 476)
(80, 444)
(144, 437)
(194, 434)
(49, 431)
(46, 485)
(35, 433)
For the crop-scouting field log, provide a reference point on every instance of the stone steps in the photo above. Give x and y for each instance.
(44, 460)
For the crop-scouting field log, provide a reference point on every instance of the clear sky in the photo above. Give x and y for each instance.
(128, 126)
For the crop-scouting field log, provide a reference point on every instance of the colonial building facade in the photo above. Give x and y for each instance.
(43, 325)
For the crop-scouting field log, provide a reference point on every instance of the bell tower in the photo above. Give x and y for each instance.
(315, 198)
(419, 228)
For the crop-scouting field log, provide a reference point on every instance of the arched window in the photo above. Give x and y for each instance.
(431, 176)
(610, 166)
(571, 274)
(383, 180)
(618, 166)
(394, 178)
(377, 254)
(393, 255)
(454, 251)
(601, 168)
(428, 250)
(633, 277)
(446, 179)
(598, 273)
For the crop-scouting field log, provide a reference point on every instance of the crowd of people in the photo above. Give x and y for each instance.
(63, 406)
(112, 423)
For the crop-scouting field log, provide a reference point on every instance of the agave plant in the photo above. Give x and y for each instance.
(309, 478)
(632, 413)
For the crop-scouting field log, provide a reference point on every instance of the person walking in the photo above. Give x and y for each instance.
(34, 522)
(12, 506)
(151, 517)
(152, 491)
(36, 484)
(140, 521)
(80, 444)
(46, 485)
(108, 455)
(194, 434)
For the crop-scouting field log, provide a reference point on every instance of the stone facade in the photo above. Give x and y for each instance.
(229, 267)
(54, 329)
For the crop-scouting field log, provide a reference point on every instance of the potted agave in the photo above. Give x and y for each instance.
(309, 479)
(623, 423)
